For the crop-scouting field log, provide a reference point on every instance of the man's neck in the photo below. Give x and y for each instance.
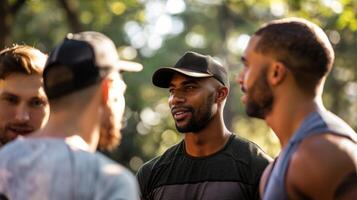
(209, 140)
(65, 125)
(288, 114)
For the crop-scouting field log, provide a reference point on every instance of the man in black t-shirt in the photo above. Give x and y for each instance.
(211, 162)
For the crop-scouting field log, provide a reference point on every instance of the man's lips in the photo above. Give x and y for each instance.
(20, 130)
(244, 96)
(243, 89)
(180, 113)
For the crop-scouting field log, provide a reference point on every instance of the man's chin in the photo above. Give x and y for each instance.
(20, 133)
(256, 112)
(188, 129)
(182, 129)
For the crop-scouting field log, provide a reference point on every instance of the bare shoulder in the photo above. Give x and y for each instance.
(328, 150)
(320, 165)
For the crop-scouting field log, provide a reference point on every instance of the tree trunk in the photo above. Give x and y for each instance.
(7, 16)
(72, 16)
(225, 25)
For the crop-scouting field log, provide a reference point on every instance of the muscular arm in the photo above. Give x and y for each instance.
(319, 166)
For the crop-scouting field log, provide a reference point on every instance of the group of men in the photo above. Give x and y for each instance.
(70, 103)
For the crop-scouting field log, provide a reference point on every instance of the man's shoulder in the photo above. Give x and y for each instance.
(53, 159)
(335, 124)
(167, 157)
(110, 168)
(52, 152)
(244, 148)
(24, 146)
(327, 149)
(320, 163)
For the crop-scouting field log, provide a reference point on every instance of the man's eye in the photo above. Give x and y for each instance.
(189, 87)
(37, 103)
(11, 99)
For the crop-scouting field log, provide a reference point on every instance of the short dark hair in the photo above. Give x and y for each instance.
(301, 46)
(21, 59)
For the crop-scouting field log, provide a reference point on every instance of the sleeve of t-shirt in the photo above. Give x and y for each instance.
(261, 161)
(124, 188)
(116, 183)
(143, 176)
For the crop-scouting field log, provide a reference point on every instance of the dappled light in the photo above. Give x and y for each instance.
(157, 33)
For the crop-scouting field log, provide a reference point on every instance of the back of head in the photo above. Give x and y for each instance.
(80, 61)
(21, 59)
(301, 46)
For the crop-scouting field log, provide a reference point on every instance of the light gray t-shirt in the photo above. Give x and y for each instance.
(54, 168)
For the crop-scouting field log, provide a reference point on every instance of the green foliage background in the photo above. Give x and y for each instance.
(157, 32)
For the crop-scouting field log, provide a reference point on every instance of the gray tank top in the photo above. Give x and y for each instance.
(317, 122)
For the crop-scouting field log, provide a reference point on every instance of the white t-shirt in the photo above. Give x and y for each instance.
(54, 168)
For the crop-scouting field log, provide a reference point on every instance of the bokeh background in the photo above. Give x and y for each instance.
(158, 32)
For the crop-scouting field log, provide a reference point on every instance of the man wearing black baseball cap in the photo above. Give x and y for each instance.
(210, 162)
(86, 96)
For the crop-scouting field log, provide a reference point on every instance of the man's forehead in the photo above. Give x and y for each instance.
(23, 80)
(23, 96)
(22, 85)
(181, 79)
(251, 45)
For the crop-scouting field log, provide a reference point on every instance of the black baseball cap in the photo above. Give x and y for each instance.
(192, 64)
(81, 60)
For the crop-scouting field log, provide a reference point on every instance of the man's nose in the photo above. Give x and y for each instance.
(22, 113)
(177, 98)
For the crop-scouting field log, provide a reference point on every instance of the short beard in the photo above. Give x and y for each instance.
(262, 105)
(195, 125)
(110, 133)
(3, 138)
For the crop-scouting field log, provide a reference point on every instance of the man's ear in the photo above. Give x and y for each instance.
(222, 94)
(277, 73)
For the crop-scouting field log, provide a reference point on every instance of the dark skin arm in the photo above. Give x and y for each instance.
(320, 166)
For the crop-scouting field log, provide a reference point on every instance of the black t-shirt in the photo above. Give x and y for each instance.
(231, 173)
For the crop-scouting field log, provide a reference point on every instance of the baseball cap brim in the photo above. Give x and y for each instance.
(162, 77)
(128, 66)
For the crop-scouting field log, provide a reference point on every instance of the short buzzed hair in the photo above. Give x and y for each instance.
(301, 46)
(21, 59)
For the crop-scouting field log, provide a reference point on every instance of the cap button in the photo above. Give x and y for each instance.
(69, 36)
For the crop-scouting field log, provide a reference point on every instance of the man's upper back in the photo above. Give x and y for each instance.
(51, 169)
(231, 173)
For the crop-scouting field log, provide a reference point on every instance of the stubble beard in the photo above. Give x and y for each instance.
(197, 123)
(263, 102)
